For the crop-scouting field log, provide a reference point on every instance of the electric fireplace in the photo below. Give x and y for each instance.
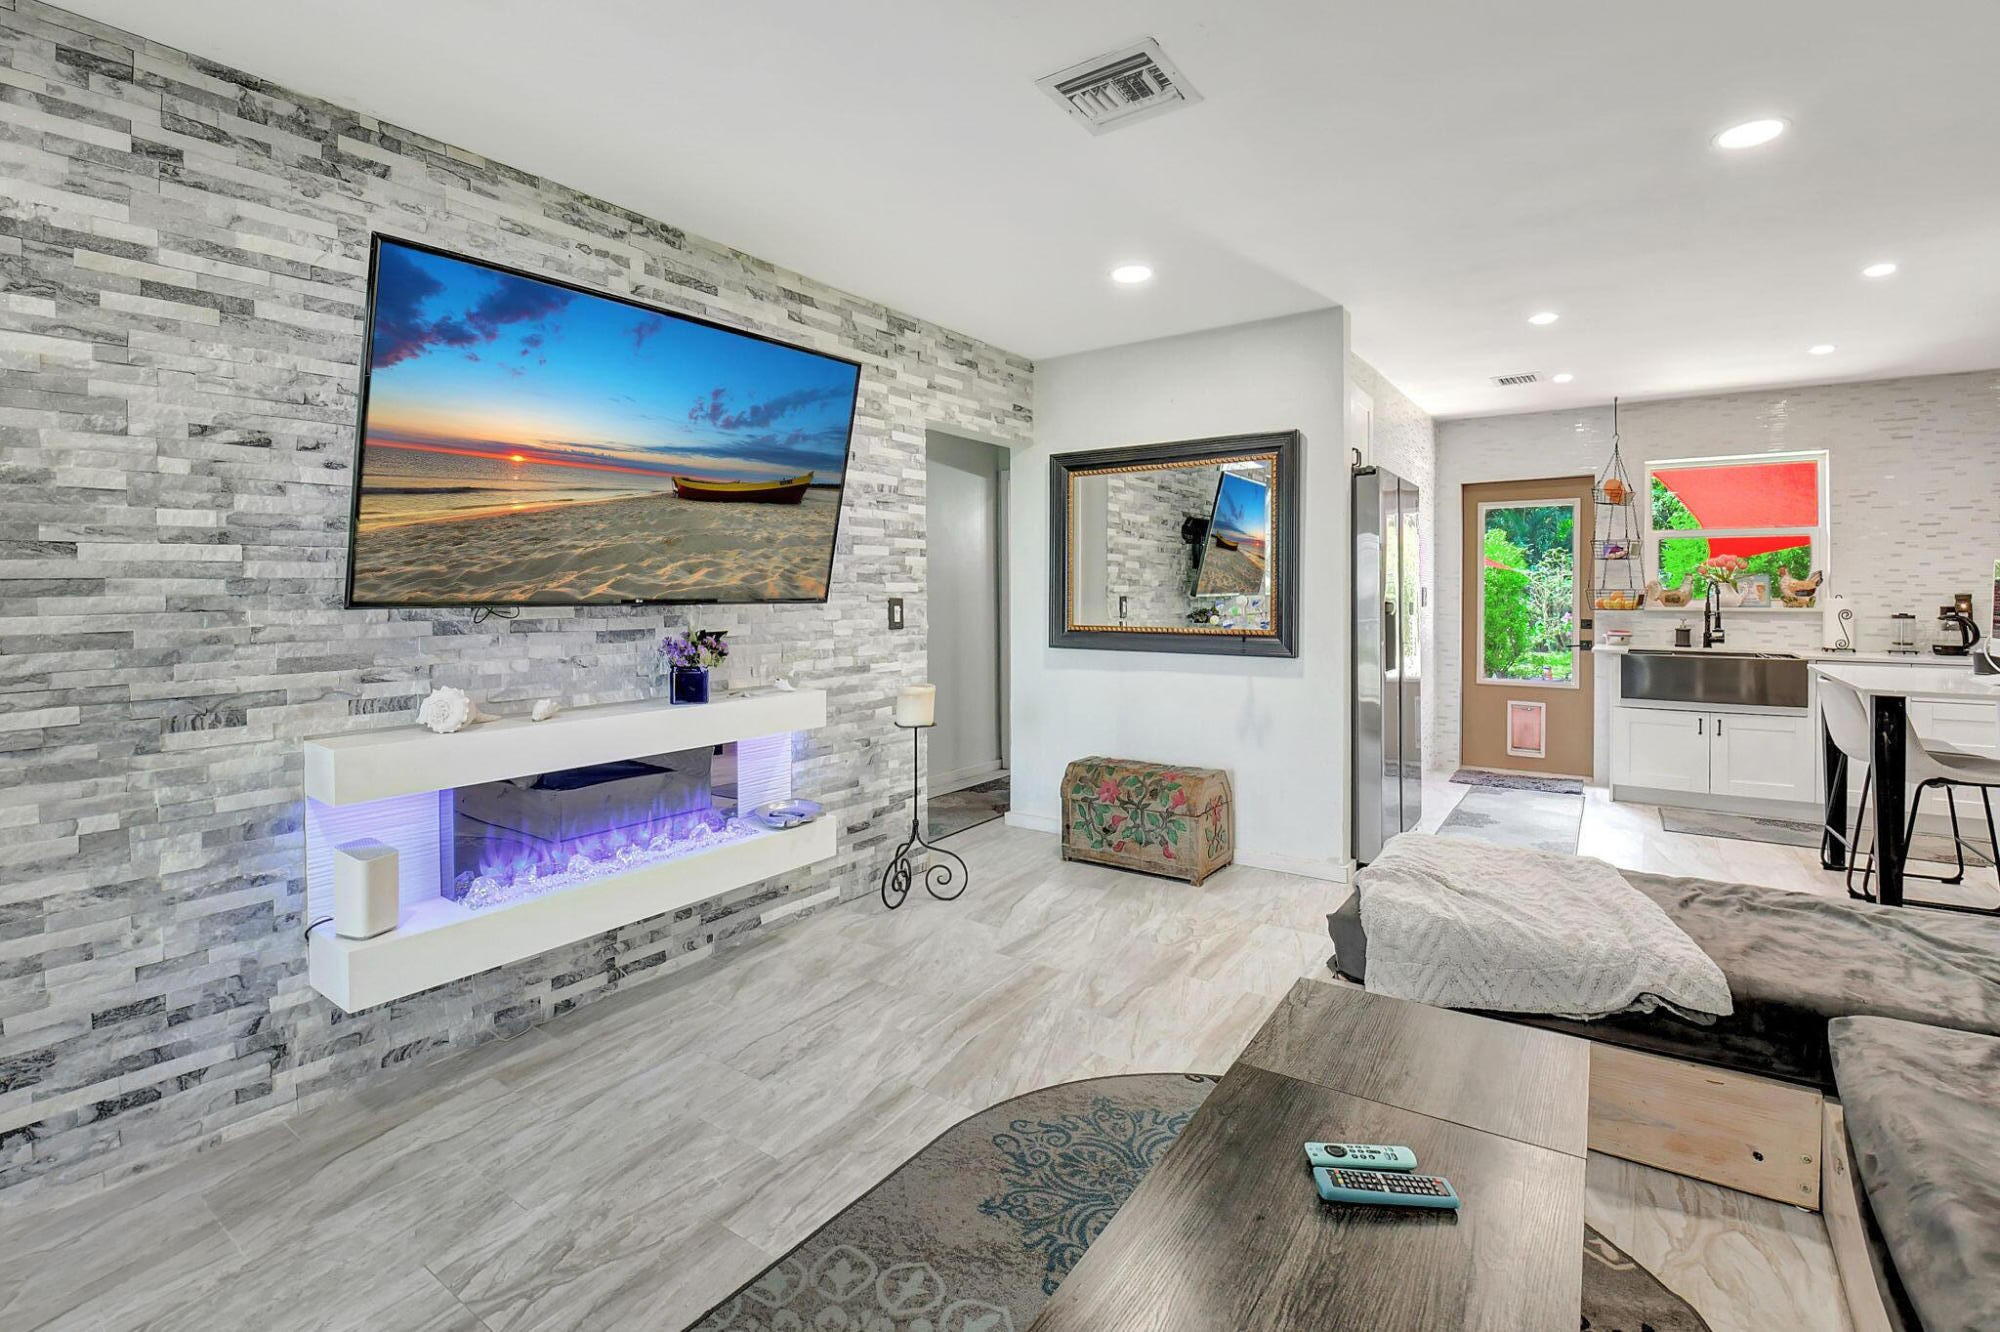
(515, 837)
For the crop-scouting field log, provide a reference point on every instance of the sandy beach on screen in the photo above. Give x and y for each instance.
(1232, 572)
(648, 548)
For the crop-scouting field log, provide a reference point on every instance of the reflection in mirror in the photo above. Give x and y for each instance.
(1173, 546)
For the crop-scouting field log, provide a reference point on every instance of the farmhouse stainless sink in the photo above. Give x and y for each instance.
(1725, 679)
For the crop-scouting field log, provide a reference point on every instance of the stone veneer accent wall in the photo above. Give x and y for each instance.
(1146, 562)
(1914, 466)
(185, 251)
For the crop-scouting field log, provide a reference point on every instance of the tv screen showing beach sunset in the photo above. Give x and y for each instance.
(1238, 530)
(523, 442)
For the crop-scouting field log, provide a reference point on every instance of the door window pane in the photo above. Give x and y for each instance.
(1528, 592)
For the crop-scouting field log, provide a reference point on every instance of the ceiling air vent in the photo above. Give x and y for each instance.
(1515, 381)
(1120, 87)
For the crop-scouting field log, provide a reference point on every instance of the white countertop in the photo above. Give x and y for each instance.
(1929, 659)
(1938, 682)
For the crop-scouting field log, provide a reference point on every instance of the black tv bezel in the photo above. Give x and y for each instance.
(348, 602)
(1214, 505)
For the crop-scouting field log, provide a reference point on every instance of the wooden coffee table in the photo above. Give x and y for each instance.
(1228, 1233)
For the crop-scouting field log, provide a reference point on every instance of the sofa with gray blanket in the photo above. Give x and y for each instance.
(1897, 1011)
(1793, 961)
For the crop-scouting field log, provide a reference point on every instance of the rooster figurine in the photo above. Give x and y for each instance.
(1799, 592)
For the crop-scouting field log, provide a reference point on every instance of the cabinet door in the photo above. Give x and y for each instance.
(1660, 748)
(1761, 756)
(1967, 728)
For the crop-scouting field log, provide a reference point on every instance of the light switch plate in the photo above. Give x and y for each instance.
(895, 612)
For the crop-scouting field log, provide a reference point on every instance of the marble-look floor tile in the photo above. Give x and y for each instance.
(1746, 1264)
(624, 1165)
(617, 1257)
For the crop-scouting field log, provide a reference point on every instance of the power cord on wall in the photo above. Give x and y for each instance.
(481, 614)
(315, 925)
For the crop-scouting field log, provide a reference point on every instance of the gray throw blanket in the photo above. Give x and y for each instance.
(1462, 924)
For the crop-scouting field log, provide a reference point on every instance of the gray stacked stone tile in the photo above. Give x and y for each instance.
(184, 250)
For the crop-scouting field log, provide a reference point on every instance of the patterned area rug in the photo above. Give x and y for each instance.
(976, 1231)
(1800, 832)
(1532, 819)
(958, 810)
(1518, 781)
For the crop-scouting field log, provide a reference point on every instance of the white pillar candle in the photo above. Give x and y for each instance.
(916, 705)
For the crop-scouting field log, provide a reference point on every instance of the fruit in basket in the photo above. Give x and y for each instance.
(1616, 491)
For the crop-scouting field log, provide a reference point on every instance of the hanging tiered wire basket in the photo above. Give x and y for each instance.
(1616, 563)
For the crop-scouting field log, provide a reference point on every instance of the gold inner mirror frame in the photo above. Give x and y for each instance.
(1069, 544)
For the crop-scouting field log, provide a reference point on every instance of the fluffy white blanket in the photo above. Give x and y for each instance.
(1463, 924)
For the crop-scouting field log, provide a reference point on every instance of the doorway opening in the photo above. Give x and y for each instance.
(966, 523)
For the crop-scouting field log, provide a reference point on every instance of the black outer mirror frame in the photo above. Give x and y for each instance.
(1281, 640)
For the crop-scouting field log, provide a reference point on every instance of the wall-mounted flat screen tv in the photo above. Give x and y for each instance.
(527, 442)
(1239, 530)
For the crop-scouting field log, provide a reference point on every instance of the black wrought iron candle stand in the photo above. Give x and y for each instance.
(902, 872)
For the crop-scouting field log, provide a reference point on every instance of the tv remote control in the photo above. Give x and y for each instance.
(1377, 1189)
(1360, 1156)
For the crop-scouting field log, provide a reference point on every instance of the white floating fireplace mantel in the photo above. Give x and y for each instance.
(394, 786)
(370, 765)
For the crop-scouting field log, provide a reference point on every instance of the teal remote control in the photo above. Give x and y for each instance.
(1378, 1189)
(1360, 1156)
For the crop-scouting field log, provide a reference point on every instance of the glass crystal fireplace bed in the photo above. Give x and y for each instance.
(495, 863)
(489, 844)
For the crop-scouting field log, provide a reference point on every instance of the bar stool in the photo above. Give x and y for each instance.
(1847, 723)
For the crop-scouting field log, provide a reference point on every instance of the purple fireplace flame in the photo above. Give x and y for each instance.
(523, 838)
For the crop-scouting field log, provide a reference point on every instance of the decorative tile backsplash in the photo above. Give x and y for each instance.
(185, 256)
(1913, 465)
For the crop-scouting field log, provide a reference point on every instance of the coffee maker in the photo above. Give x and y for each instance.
(1956, 628)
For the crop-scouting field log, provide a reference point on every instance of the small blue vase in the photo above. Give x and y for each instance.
(690, 684)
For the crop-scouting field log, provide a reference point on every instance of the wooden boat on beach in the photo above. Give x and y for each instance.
(790, 490)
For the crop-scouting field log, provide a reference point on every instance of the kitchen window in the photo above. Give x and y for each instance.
(1755, 525)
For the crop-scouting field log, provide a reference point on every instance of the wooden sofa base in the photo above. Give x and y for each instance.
(1841, 1204)
(1751, 1134)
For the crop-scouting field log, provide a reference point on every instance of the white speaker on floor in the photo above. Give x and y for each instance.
(365, 898)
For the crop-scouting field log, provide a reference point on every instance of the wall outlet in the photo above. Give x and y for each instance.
(895, 612)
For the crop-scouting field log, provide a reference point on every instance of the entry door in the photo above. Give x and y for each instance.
(1527, 680)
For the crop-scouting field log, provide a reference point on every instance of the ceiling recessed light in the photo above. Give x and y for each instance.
(1564, 378)
(1750, 133)
(1132, 274)
(1544, 318)
(1878, 270)
(1821, 349)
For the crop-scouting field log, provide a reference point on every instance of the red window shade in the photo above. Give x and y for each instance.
(1748, 546)
(1779, 494)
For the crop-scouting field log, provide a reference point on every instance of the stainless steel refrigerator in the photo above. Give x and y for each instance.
(1387, 767)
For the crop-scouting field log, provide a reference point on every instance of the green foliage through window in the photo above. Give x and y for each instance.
(1528, 591)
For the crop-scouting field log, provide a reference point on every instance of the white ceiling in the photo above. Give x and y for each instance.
(1443, 168)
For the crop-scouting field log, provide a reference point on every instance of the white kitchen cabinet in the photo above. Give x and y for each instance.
(1761, 756)
(1968, 728)
(1660, 748)
(1741, 755)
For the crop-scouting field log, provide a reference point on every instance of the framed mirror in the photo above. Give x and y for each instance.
(1183, 547)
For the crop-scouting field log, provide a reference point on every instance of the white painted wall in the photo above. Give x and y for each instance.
(1278, 725)
(962, 508)
(1914, 467)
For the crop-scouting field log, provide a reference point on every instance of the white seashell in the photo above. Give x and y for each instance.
(544, 709)
(447, 710)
